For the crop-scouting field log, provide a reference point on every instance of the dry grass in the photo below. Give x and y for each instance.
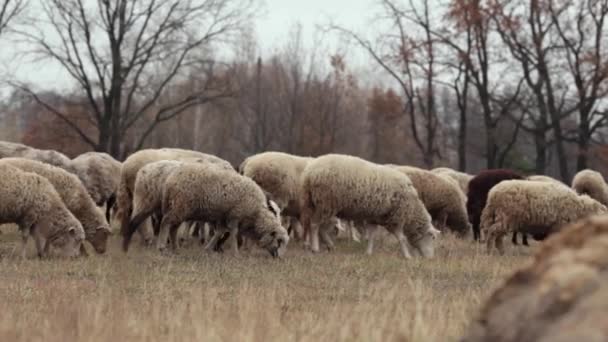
(343, 295)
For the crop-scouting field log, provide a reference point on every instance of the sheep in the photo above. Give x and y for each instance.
(147, 192)
(477, 195)
(34, 205)
(10, 149)
(442, 198)
(559, 296)
(278, 174)
(462, 178)
(134, 163)
(539, 208)
(74, 196)
(209, 193)
(591, 183)
(351, 188)
(100, 174)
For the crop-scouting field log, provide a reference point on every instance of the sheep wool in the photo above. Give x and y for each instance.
(209, 193)
(462, 178)
(538, 208)
(351, 188)
(74, 196)
(100, 174)
(34, 205)
(591, 183)
(442, 198)
(135, 162)
(9, 149)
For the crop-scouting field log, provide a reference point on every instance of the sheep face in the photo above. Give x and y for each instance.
(275, 242)
(69, 242)
(426, 244)
(99, 239)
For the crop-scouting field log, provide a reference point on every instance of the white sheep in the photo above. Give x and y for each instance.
(354, 189)
(74, 196)
(134, 163)
(34, 205)
(100, 174)
(206, 192)
(10, 149)
(279, 175)
(591, 183)
(442, 198)
(460, 177)
(532, 207)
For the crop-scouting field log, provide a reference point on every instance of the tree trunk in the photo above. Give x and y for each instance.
(462, 141)
(583, 142)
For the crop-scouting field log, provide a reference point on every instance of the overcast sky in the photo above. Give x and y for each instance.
(272, 29)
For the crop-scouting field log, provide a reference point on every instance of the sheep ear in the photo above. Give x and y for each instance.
(434, 232)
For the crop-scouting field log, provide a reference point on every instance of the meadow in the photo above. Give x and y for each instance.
(193, 295)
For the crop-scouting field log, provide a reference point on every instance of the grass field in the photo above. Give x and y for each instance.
(342, 295)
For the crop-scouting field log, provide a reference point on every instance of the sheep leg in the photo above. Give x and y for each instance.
(83, 250)
(217, 234)
(314, 238)
(499, 244)
(405, 250)
(41, 245)
(514, 239)
(371, 233)
(442, 220)
(327, 240)
(166, 226)
(173, 236)
(233, 226)
(490, 238)
(524, 240)
(25, 235)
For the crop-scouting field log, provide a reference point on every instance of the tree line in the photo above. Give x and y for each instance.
(468, 83)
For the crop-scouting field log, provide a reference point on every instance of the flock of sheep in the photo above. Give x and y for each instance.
(272, 198)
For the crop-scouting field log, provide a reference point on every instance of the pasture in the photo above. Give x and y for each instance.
(192, 295)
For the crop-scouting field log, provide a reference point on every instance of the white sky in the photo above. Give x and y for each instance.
(272, 29)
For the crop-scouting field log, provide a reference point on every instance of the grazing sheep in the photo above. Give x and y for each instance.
(135, 162)
(442, 198)
(462, 178)
(74, 196)
(351, 188)
(34, 205)
(100, 174)
(147, 192)
(9, 149)
(477, 195)
(591, 183)
(560, 296)
(206, 192)
(537, 208)
(279, 174)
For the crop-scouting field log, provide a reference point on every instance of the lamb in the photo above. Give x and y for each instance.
(209, 193)
(147, 192)
(100, 174)
(34, 205)
(74, 196)
(135, 162)
(462, 178)
(442, 198)
(9, 149)
(538, 208)
(351, 188)
(477, 195)
(559, 296)
(591, 183)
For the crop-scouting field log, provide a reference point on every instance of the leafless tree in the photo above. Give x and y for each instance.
(126, 55)
(9, 9)
(410, 59)
(581, 27)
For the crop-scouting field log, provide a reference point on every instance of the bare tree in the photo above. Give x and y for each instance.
(9, 9)
(581, 26)
(125, 55)
(527, 29)
(410, 59)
